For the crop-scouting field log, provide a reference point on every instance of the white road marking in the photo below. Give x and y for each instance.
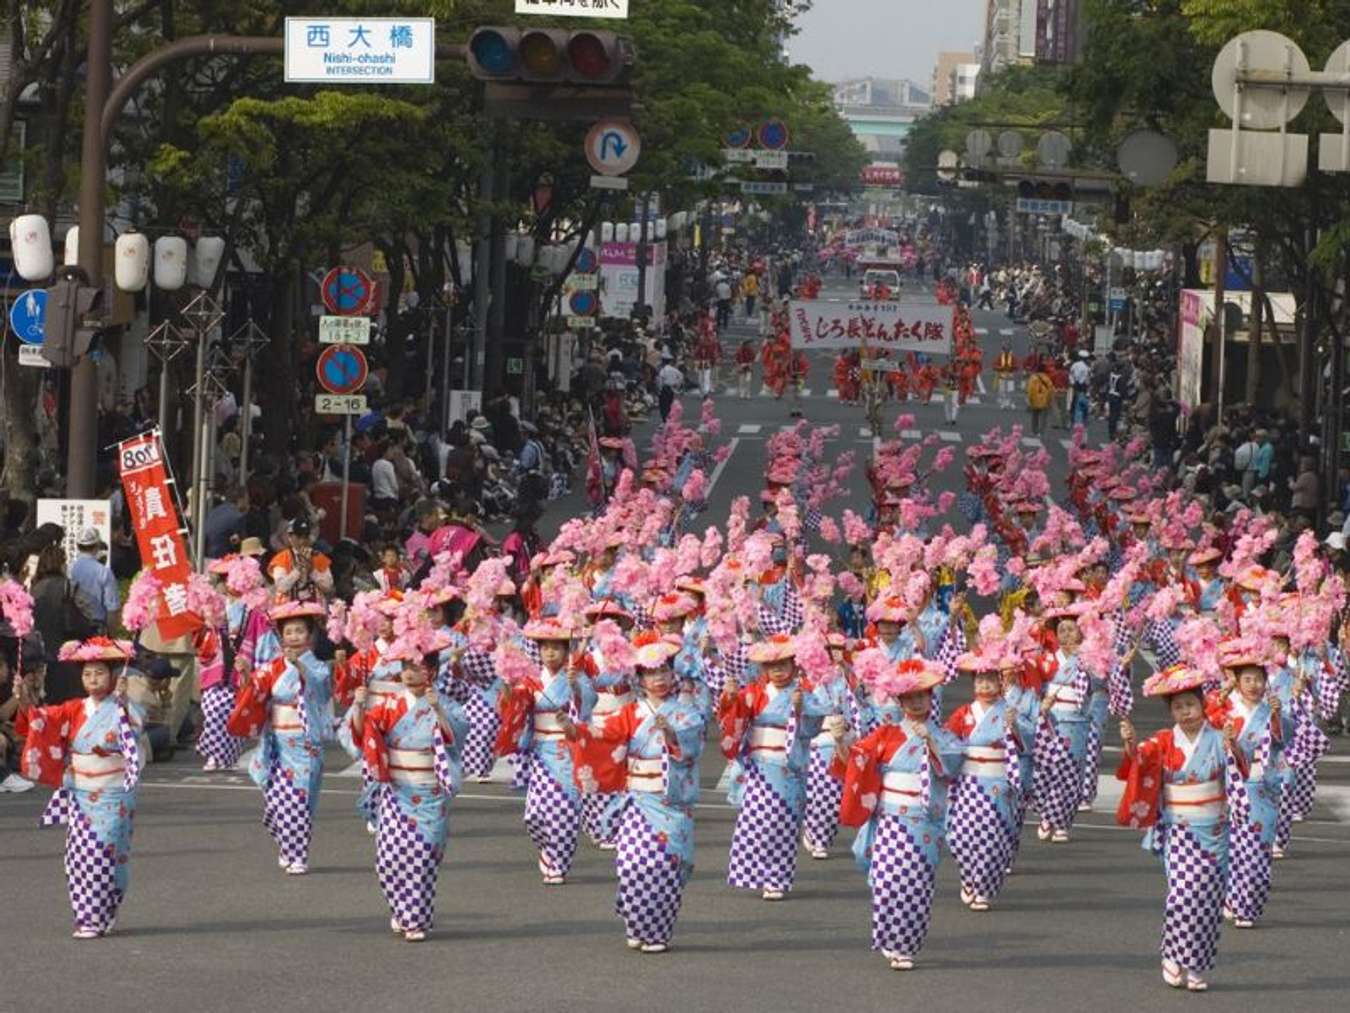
(979, 383)
(982, 330)
(1006, 332)
(832, 392)
(949, 435)
(1066, 444)
(876, 445)
(721, 466)
(1032, 441)
(806, 392)
(864, 433)
(911, 434)
(749, 428)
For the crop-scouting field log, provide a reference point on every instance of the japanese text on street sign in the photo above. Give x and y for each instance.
(159, 534)
(344, 330)
(575, 8)
(361, 50)
(894, 326)
(74, 515)
(339, 404)
(1035, 206)
(752, 186)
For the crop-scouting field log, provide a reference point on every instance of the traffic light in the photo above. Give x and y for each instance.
(70, 301)
(549, 56)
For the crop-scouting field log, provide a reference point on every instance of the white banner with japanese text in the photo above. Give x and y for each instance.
(880, 324)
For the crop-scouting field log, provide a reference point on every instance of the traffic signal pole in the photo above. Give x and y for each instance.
(102, 107)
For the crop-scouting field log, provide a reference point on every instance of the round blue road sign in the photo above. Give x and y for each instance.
(28, 316)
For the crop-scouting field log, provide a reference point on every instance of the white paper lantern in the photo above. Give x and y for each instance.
(131, 261)
(509, 246)
(31, 240)
(660, 228)
(606, 232)
(171, 263)
(621, 232)
(206, 257)
(525, 251)
(70, 255)
(463, 255)
(635, 232)
(678, 220)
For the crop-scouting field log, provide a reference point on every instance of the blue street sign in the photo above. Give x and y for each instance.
(28, 316)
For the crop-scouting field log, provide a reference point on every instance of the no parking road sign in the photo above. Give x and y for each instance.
(341, 369)
(348, 291)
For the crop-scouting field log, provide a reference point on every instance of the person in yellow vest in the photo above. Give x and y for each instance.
(1005, 376)
(1040, 393)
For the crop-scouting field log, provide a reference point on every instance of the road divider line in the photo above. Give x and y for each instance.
(949, 436)
(749, 428)
(721, 467)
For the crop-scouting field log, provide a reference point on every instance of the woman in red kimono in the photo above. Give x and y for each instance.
(745, 368)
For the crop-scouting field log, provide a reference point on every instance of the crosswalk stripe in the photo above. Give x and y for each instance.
(749, 428)
(982, 330)
(864, 433)
(911, 434)
(1032, 441)
(832, 392)
(949, 435)
(806, 392)
(1066, 444)
(1006, 331)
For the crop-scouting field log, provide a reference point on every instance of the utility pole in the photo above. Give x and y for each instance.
(1220, 321)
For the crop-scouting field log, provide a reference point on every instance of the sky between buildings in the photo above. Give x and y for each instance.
(842, 39)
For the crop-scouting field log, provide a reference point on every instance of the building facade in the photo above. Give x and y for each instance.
(953, 79)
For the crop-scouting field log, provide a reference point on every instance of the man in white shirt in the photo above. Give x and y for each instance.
(668, 382)
(723, 303)
(1080, 377)
(384, 482)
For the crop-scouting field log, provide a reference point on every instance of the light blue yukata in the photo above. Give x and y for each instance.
(96, 801)
(418, 773)
(658, 788)
(288, 762)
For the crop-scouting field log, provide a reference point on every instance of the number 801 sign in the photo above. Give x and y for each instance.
(138, 454)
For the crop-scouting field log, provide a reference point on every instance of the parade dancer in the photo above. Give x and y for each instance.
(1061, 738)
(87, 750)
(532, 728)
(1261, 730)
(218, 680)
(411, 742)
(600, 810)
(1175, 789)
(820, 824)
(984, 820)
(648, 752)
(767, 730)
(287, 705)
(895, 786)
(247, 640)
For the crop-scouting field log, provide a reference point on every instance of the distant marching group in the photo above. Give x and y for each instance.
(632, 642)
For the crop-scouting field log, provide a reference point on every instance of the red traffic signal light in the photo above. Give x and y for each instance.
(549, 55)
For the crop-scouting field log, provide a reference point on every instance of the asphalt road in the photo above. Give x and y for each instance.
(211, 924)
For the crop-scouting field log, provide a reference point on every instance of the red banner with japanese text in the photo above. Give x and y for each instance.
(159, 533)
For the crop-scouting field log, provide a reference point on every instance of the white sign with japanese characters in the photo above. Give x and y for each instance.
(344, 330)
(575, 8)
(361, 50)
(74, 515)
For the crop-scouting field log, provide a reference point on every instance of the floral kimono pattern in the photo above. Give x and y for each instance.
(895, 792)
(1175, 789)
(416, 771)
(771, 747)
(657, 787)
(288, 708)
(87, 751)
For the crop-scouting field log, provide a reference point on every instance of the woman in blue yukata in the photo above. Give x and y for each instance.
(895, 792)
(1262, 727)
(648, 753)
(1175, 788)
(87, 750)
(532, 728)
(1062, 738)
(767, 729)
(412, 742)
(820, 824)
(600, 810)
(287, 705)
